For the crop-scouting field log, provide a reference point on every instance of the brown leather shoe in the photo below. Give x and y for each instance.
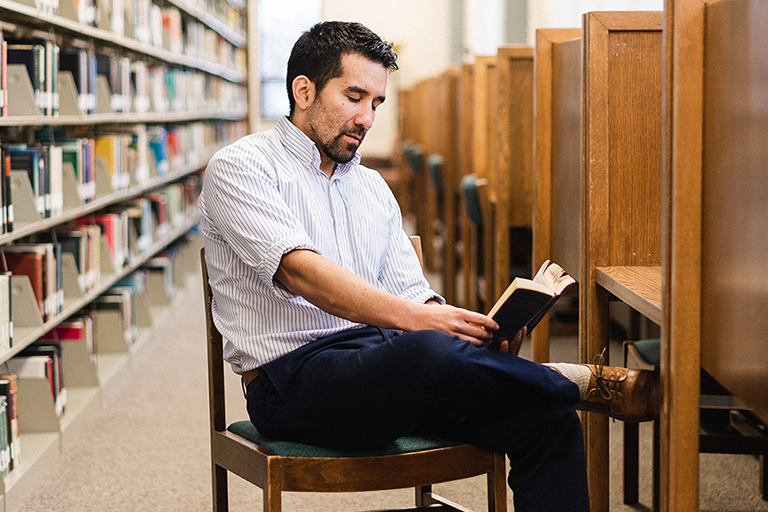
(622, 393)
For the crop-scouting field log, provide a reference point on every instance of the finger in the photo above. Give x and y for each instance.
(473, 330)
(504, 347)
(481, 320)
(474, 341)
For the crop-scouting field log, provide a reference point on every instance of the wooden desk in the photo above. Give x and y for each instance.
(638, 287)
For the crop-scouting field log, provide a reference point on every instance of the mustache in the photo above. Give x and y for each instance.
(355, 132)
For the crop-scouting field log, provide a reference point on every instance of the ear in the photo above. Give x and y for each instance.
(303, 91)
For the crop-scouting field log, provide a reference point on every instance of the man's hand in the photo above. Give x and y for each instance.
(470, 326)
(513, 347)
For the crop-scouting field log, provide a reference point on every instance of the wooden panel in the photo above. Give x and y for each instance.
(482, 103)
(542, 163)
(622, 182)
(634, 151)
(466, 129)
(451, 200)
(566, 178)
(735, 201)
(681, 273)
(514, 133)
(432, 123)
(513, 127)
(483, 144)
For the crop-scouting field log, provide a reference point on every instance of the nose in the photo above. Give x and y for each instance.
(365, 117)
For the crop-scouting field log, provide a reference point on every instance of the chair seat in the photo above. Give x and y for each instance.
(649, 350)
(405, 444)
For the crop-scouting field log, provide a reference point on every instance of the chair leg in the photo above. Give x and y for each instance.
(273, 498)
(764, 477)
(497, 484)
(424, 496)
(631, 463)
(220, 490)
(656, 465)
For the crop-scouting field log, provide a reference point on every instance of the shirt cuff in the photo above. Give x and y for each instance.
(271, 262)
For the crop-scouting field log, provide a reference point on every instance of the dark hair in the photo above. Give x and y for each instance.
(317, 53)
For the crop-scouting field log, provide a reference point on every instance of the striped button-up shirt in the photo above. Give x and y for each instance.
(264, 196)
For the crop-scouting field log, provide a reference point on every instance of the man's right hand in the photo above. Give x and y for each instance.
(470, 326)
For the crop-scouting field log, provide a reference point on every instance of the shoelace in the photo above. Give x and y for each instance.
(605, 384)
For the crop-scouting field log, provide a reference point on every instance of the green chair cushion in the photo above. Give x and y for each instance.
(435, 166)
(472, 199)
(649, 350)
(405, 444)
(414, 155)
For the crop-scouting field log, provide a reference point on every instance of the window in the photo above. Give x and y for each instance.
(281, 22)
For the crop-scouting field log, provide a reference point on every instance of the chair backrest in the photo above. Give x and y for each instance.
(215, 357)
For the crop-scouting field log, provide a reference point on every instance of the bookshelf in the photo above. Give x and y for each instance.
(171, 92)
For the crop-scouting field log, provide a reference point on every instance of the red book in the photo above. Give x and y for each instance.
(30, 264)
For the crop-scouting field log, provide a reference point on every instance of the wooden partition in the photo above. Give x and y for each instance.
(483, 159)
(432, 126)
(557, 171)
(512, 165)
(449, 207)
(621, 148)
(715, 209)
(468, 231)
(598, 175)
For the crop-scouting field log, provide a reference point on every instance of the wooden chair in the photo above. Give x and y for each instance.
(277, 466)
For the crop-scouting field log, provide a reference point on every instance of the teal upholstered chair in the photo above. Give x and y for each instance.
(435, 165)
(277, 466)
(414, 155)
(726, 425)
(474, 211)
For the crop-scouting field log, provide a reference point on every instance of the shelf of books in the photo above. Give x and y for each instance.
(109, 112)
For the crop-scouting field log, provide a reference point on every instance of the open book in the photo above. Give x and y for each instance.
(525, 302)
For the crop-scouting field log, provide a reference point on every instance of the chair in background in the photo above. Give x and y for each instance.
(277, 466)
(726, 426)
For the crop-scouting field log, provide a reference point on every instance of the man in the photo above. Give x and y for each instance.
(329, 319)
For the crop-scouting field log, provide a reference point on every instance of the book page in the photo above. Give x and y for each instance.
(553, 277)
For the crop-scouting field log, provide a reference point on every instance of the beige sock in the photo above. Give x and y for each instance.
(577, 373)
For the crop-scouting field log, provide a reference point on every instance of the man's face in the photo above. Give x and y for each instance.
(344, 110)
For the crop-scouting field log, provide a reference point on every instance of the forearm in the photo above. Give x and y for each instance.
(342, 293)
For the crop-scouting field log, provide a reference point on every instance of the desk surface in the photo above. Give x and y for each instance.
(639, 287)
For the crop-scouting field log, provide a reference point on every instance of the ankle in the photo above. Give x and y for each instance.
(579, 374)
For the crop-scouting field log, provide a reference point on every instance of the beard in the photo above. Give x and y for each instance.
(332, 143)
(339, 149)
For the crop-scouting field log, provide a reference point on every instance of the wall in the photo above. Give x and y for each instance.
(420, 30)
(432, 35)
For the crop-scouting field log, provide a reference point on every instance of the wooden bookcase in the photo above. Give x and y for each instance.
(44, 433)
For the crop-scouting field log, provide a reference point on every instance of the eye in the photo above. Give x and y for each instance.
(353, 99)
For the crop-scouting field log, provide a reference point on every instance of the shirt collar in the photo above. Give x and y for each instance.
(301, 146)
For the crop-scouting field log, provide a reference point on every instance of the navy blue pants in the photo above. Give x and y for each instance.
(361, 389)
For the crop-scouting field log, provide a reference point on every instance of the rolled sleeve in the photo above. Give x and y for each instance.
(271, 261)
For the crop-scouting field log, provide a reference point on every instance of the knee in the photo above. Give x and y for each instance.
(430, 353)
(437, 348)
